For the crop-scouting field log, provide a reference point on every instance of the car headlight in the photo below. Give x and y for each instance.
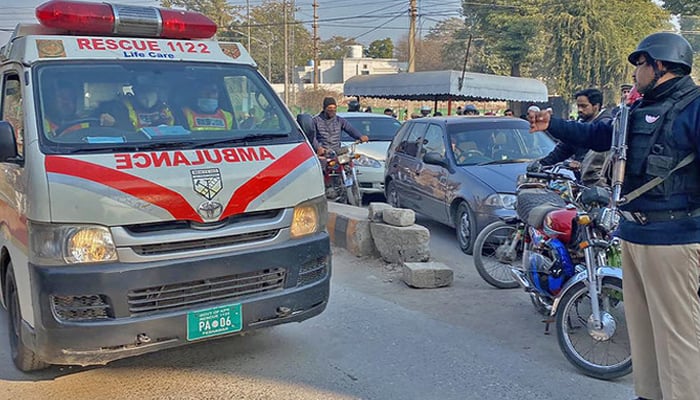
(369, 162)
(309, 217)
(52, 244)
(501, 200)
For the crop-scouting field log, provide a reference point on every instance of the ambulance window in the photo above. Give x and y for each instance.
(12, 108)
(253, 106)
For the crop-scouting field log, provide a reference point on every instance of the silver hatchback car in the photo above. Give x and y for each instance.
(381, 130)
(461, 171)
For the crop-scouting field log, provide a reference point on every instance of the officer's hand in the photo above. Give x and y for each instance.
(534, 166)
(364, 138)
(539, 120)
(107, 120)
(573, 164)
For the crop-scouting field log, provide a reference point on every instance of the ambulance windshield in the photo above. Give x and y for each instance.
(121, 106)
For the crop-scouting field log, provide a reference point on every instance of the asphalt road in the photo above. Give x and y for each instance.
(378, 339)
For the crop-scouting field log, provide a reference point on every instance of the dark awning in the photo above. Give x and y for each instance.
(445, 85)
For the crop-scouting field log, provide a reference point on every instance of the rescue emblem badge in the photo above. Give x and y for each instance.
(50, 48)
(207, 183)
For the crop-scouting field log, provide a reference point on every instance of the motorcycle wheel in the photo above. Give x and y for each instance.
(604, 353)
(490, 267)
(353, 194)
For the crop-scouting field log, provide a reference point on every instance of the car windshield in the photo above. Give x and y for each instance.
(377, 129)
(123, 106)
(496, 143)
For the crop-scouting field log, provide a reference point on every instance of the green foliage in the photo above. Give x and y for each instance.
(590, 41)
(383, 48)
(220, 11)
(684, 7)
(335, 48)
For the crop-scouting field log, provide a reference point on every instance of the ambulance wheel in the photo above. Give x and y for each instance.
(24, 358)
(70, 124)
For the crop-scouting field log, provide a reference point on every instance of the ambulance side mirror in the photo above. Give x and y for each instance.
(8, 143)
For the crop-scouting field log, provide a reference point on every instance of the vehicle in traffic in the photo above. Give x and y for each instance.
(461, 171)
(173, 223)
(381, 130)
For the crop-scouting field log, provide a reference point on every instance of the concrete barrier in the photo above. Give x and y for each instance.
(348, 227)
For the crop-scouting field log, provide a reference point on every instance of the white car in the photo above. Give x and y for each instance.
(380, 129)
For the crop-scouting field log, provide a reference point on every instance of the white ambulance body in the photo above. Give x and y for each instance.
(132, 224)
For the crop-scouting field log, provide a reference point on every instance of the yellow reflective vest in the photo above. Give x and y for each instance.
(219, 121)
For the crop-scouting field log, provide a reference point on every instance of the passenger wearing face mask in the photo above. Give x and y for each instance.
(206, 115)
(142, 109)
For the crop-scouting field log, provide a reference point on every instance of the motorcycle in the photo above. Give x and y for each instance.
(340, 176)
(561, 251)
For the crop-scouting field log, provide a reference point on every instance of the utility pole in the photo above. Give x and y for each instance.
(292, 64)
(315, 42)
(286, 54)
(247, 4)
(413, 12)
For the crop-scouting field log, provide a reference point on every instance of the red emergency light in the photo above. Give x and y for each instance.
(124, 20)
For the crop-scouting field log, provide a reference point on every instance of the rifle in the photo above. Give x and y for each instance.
(618, 150)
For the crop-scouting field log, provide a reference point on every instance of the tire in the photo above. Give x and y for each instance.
(494, 271)
(24, 358)
(465, 228)
(614, 349)
(392, 196)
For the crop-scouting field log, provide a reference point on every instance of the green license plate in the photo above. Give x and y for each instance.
(214, 322)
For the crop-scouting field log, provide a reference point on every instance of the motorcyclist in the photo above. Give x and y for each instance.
(329, 126)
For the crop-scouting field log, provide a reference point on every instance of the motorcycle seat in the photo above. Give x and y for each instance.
(537, 214)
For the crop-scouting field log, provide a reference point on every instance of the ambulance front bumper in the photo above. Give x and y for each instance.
(97, 314)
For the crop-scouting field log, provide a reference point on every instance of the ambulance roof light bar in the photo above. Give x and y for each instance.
(124, 20)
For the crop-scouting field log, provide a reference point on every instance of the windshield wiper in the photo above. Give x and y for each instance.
(120, 147)
(507, 161)
(242, 139)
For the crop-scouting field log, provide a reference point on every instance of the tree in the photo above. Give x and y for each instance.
(266, 28)
(587, 43)
(311, 101)
(683, 7)
(383, 48)
(335, 48)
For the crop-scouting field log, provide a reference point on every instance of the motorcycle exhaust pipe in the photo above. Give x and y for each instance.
(521, 278)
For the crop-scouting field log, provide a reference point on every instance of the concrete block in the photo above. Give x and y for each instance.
(401, 243)
(376, 210)
(349, 228)
(427, 274)
(399, 216)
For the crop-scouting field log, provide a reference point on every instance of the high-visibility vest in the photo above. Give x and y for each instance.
(140, 119)
(50, 127)
(219, 121)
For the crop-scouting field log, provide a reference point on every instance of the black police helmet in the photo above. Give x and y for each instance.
(665, 46)
(353, 105)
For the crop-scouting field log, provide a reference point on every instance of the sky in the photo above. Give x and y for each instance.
(360, 19)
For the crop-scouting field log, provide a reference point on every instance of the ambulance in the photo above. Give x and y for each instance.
(154, 190)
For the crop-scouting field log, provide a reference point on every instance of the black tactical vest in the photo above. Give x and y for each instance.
(652, 150)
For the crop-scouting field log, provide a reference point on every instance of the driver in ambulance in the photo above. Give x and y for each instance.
(205, 114)
(142, 109)
(61, 110)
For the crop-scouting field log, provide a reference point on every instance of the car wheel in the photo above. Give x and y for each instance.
(24, 358)
(392, 196)
(465, 228)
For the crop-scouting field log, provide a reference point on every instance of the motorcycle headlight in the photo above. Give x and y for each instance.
(52, 244)
(309, 217)
(501, 200)
(369, 162)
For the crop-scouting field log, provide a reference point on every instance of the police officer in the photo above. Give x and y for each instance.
(660, 230)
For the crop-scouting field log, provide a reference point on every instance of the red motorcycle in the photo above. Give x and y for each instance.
(561, 251)
(340, 176)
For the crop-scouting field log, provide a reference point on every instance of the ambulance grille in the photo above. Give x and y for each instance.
(81, 308)
(183, 295)
(136, 21)
(203, 244)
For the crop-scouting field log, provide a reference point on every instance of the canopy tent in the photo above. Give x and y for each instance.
(445, 86)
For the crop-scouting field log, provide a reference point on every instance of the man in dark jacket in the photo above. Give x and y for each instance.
(329, 127)
(660, 228)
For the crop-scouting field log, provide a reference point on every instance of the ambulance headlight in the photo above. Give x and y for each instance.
(52, 244)
(309, 217)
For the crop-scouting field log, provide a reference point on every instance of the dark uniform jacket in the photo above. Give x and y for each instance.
(659, 135)
(563, 151)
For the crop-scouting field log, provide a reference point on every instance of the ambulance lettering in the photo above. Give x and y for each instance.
(199, 157)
